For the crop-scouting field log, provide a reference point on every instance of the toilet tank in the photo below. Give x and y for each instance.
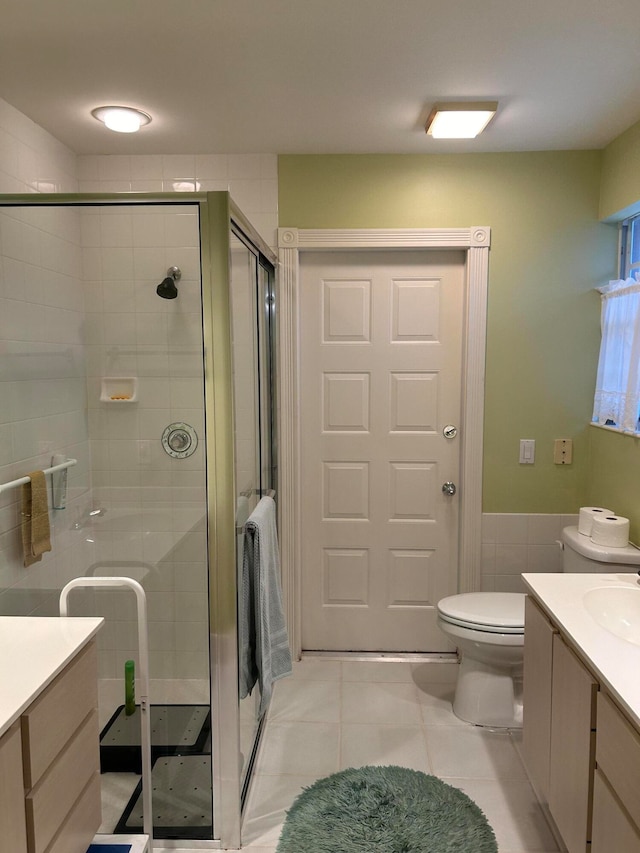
(580, 554)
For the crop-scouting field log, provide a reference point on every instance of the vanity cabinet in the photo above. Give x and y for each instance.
(581, 752)
(49, 734)
(60, 749)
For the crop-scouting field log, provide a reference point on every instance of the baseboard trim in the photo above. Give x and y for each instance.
(398, 657)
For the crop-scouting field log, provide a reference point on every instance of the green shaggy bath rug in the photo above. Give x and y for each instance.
(385, 810)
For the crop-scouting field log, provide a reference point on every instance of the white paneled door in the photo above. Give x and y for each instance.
(381, 360)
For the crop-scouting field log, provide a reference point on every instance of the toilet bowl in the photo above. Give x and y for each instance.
(488, 629)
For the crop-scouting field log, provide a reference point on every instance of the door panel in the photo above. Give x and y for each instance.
(381, 341)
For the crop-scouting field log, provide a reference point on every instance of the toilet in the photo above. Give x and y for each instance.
(488, 629)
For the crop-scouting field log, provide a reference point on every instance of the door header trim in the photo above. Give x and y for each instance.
(384, 238)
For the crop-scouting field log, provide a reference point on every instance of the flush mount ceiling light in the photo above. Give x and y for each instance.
(121, 119)
(460, 120)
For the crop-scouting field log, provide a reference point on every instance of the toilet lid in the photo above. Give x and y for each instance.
(498, 611)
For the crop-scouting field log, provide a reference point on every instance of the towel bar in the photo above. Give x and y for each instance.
(22, 480)
(247, 493)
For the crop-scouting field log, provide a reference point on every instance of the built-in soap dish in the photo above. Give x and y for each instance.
(119, 389)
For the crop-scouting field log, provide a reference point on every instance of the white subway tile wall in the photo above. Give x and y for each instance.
(252, 180)
(31, 160)
(155, 504)
(513, 543)
(42, 363)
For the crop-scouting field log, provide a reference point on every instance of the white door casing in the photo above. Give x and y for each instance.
(475, 243)
(380, 376)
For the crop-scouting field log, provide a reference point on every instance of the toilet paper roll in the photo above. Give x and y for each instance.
(610, 530)
(587, 514)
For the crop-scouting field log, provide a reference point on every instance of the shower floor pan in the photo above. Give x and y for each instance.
(175, 730)
(182, 803)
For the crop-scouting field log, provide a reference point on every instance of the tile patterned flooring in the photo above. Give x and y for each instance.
(332, 714)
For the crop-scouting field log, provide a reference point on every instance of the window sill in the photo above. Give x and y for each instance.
(616, 429)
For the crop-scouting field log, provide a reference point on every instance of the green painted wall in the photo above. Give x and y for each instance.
(620, 190)
(548, 251)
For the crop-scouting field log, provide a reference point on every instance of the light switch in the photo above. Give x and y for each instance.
(527, 451)
(562, 451)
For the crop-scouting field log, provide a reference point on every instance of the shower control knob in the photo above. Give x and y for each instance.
(449, 488)
(179, 440)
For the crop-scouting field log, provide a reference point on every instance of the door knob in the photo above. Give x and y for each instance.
(449, 488)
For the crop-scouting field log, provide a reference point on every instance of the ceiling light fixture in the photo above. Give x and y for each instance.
(460, 120)
(121, 119)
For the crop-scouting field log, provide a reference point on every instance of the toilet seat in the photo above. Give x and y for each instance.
(490, 612)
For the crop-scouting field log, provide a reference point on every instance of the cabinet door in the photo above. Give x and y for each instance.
(612, 828)
(12, 814)
(618, 755)
(572, 756)
(536, 733)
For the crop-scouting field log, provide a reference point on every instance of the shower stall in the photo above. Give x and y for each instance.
(137, 339)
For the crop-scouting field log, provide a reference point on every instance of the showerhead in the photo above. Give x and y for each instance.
(167, 288)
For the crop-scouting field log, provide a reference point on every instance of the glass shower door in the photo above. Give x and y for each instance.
(96, 367)
(252, 348)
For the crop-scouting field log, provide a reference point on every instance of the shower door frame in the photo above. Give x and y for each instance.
(217, 219)
(217, 214)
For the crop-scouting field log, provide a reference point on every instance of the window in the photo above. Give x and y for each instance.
(617, 397)
(630, 248)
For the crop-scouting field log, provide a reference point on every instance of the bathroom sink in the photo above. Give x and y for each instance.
(617, 610)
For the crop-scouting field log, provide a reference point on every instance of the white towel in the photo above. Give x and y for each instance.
(264, 643)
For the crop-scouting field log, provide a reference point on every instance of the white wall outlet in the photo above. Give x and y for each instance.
(527, 451)
(563, 451)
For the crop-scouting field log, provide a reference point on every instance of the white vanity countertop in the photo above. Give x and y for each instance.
(33, 650)
(614, 661)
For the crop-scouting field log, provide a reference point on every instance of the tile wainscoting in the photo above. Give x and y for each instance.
(513, 543)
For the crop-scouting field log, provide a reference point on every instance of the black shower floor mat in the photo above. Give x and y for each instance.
(181, 800)
(175, 730)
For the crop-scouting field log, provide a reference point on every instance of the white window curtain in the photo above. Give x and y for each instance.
(617, 398)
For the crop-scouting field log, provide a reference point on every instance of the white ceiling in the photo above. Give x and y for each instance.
(322, 76)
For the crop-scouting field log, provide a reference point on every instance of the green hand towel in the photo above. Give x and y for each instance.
(36, 534)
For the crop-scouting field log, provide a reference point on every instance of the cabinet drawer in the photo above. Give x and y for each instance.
(618, 755)
(53, 718)
(612, 829)
(76, 833)
(12, 818)
(49, 803)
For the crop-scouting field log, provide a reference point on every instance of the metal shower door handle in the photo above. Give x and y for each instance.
(449, 488)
